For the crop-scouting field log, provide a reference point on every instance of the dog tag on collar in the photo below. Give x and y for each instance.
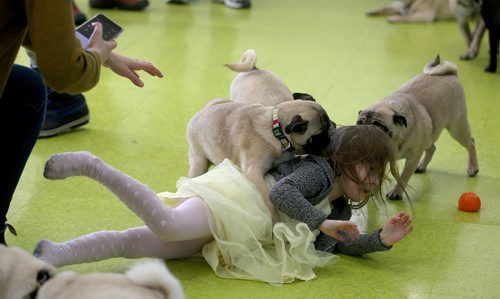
(285, 143)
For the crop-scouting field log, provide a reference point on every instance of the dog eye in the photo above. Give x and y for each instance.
(42, 276)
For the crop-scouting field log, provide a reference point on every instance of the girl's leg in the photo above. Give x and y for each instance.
(136, 242)
(188, 221)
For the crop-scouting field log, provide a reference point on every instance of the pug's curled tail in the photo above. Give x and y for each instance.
(155, 275)
(246, 64)
(438, 68)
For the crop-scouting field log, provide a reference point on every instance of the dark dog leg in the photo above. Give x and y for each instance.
(494, 40)
(490, 11)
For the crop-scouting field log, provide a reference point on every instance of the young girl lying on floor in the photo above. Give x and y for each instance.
(222, 215)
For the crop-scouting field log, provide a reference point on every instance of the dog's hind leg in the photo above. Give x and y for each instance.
(260, 184)
(255, 171)
(198, 164)
(464, 28)
(477, 36)
(399, 7)
(422, 166)
(421, 16)
(460, 131)
(386, 10)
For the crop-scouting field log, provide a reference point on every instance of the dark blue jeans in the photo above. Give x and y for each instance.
(22, 110)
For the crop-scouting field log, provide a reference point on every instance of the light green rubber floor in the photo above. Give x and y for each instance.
(328, 48)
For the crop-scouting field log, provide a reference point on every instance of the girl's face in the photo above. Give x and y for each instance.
(366, 184)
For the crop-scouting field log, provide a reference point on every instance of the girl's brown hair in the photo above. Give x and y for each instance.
(362, 144)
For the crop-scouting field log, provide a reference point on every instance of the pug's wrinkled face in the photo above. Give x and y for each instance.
(306, 126)
(24, 273)
(386, 119)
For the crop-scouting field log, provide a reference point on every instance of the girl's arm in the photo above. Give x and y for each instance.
(396, 228)
(289, 195)
(364, 244)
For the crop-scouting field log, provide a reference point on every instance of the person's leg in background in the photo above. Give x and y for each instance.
(229, 3)
(22, 111)
(120, 4)
(78, 16)
(64, 111)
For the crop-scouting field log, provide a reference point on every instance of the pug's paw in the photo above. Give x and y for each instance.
(394, 194)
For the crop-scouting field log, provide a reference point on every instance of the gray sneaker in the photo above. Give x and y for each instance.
(177, 1)
(236, 3)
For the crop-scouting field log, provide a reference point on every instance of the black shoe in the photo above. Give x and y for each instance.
(2, 238)
(120, 4)
(64, 112)
(177, 1)
(3, 230)
(78, 16)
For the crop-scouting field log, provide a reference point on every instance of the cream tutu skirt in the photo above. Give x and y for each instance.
(246, 245)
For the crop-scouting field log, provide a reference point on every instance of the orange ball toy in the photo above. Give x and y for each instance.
(469, 202)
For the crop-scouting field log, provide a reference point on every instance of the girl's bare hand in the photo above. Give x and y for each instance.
(396, 228)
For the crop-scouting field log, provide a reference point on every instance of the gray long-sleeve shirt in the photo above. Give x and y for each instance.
(304, 182)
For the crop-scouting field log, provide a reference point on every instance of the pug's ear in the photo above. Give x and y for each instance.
(297, 125)
(303, 96)
(399, 120)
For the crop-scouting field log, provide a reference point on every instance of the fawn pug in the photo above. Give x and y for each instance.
(256, 86)
(414, 11)
(23, 276)
(255, 137)
(415, 115)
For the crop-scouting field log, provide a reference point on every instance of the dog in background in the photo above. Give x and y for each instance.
(489, 18)
(466, 10)
(415, 115)
(23, 276)
(414, 11)
(255, 86)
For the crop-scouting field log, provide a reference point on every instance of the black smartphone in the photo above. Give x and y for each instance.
(110, 29)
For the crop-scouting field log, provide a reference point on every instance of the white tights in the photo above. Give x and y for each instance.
(169, 233)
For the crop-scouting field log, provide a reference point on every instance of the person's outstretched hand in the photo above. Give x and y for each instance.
(127, 67)
(396, 228)
(121, 65)
(333, 228)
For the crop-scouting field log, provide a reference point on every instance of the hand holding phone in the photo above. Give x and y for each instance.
(110, 29)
